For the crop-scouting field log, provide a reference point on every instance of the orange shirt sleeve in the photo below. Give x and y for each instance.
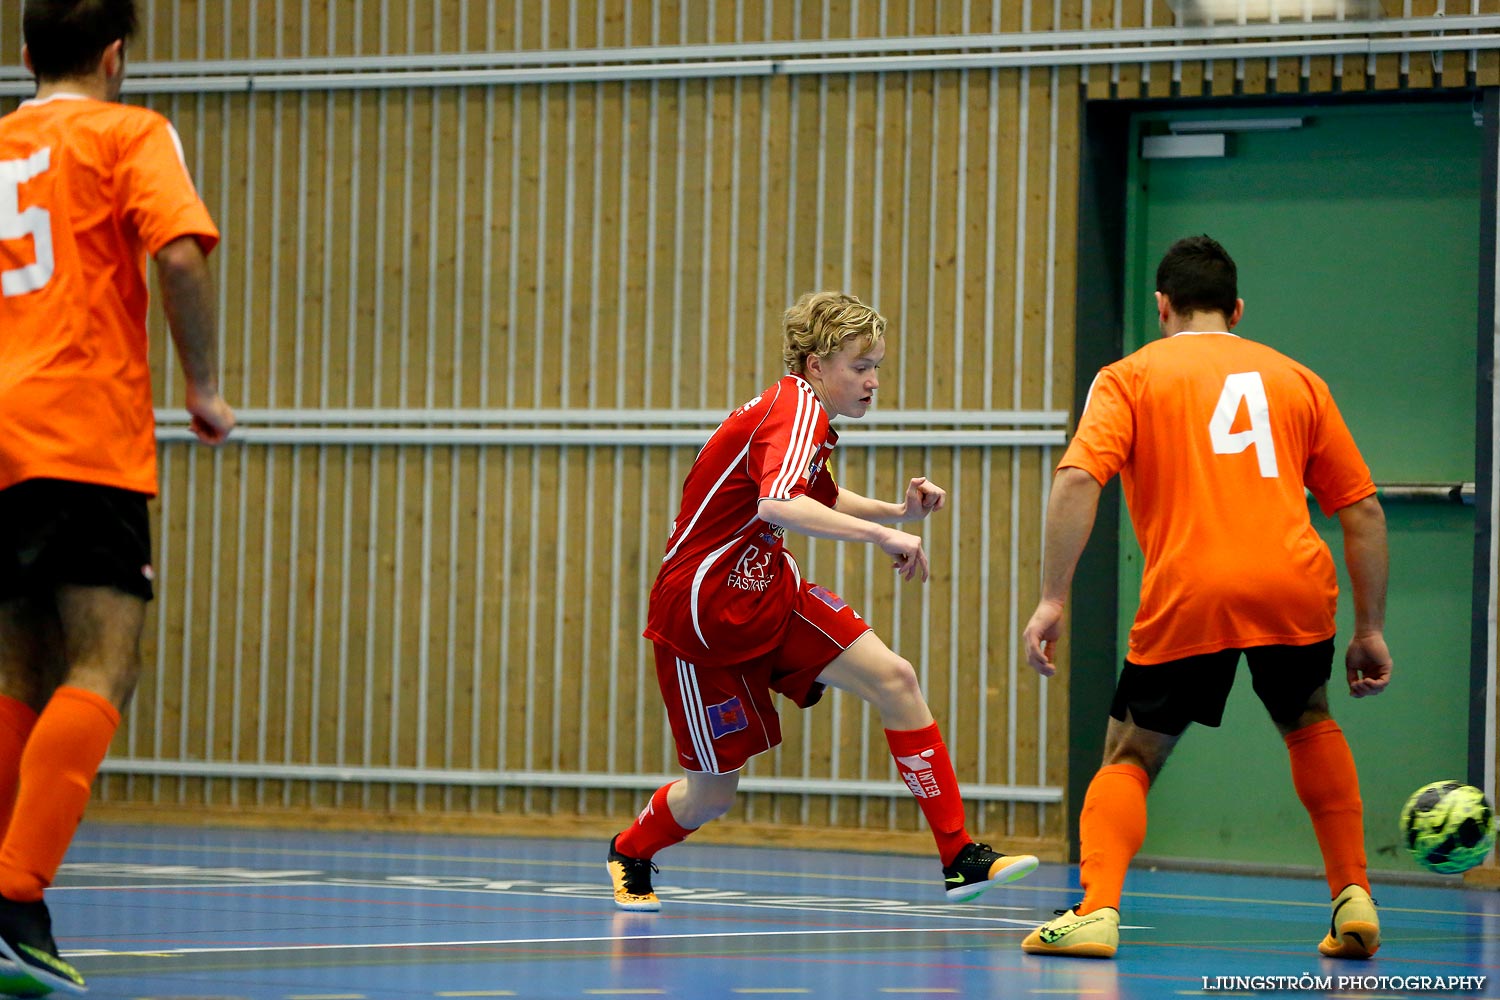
(1336, 472)
(1106, 431)
(158, 199)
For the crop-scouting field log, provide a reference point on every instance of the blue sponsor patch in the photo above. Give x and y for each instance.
(727, 717)
(828, 597)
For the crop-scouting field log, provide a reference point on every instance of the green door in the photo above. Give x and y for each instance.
(1357, 240)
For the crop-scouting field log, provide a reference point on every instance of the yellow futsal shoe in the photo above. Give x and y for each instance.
(978, 867)
(632, 878)
(1091, 935)
(1354, 929)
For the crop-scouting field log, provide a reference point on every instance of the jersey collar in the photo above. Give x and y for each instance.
(61, 95)
(833, 435)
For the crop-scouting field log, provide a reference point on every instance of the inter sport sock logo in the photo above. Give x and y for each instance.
(917, 774)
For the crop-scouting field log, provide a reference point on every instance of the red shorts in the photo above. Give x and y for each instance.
(723, 715)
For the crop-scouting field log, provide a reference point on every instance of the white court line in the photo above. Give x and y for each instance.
(238, 949)
(185, 885)
(479, 860)
(597, 893)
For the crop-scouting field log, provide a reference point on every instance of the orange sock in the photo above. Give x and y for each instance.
(1110, 831)
(57, 771)
(1326, 782)
(922, 759)
(16, 721)
(653, 830)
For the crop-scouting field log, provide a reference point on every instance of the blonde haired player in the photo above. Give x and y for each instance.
(732, 619)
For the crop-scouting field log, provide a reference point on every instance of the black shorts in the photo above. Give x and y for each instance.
(1165, 697)
(54, 532)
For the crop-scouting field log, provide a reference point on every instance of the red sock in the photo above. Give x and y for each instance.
(922, 759)
(1326, 782)
(57, 773)
(1111, 829)
(16, 722)
(653, 830)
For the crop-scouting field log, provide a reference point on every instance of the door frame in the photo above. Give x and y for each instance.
(1483, 643)
(1104, 169)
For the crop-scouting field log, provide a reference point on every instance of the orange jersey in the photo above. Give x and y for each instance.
(87, 190)
(1216, 440)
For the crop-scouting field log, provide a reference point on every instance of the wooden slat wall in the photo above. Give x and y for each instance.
(610, 245)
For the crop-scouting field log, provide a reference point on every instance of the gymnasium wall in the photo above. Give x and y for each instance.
(478, 324)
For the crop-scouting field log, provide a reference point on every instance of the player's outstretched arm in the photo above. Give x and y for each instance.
(807, 516)
(188, 297)
(1367, 662)
(922, 498)
(1070, 519)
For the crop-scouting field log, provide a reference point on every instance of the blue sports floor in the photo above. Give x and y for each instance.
(184, 914)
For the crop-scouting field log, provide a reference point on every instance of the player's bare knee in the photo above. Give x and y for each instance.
(898, 685)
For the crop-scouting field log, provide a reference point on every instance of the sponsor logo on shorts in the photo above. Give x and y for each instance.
(727, 717)
(828, 597)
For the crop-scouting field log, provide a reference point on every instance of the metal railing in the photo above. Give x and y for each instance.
(1039, 49)
(1444, 492)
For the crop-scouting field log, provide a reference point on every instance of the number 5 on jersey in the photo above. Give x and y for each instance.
(1246, 388)
(15, 224)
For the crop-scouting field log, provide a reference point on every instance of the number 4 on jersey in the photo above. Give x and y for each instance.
(15, 224)
(1246, 388)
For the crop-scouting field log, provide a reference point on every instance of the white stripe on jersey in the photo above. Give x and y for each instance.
(181, 157)
(703, 569)
(1090, 394)
(791, 445)
(801, 448)
(792, 464)
(796, 573)
(696, 715)
(707, 500)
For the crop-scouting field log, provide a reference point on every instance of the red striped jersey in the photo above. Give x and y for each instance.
(726, 587)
